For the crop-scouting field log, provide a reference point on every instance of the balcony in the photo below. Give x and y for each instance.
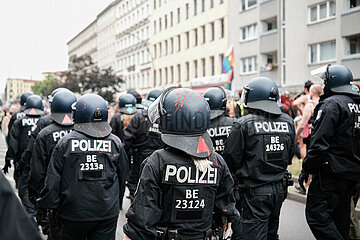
(274, 74)
(350, 21)
(269, 9)
(269, 41)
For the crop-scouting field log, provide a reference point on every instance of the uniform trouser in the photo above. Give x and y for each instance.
(134, 174)
(88, 230)
(328, 207)
(24, 192)
(54, 226)
(354, 218)
(259, 210)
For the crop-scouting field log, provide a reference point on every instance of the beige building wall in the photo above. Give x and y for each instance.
(133, 56)
(309, 32)
(15, 87)
(184, 62)
(84, 42)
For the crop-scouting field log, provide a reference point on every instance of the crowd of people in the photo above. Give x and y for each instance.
(197, 166)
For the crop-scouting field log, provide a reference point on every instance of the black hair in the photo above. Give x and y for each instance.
(308, 85)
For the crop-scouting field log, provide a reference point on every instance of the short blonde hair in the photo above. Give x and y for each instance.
(316, 89)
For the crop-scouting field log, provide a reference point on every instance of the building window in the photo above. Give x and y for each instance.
(179, 72)
(187, 11)
(154, 27)
(211, 3)
(187, 39)
(166, 47)
(222, 28)
(354, 3)
(354, 45)
(166, 21)
(171, 19)
(154, 4)
(247, 4)
(160, 77)
(203, 5)
(171, 45)
(171, 74)
(269, 24)
(178, 15)
(203, 67)
(187, 67)
(248, 32)
(221, 59)
(179, 43)
(155, 55)
(322, 52)
(154, 78)
(195, 68)
(212, 65)
(221, 1)
(159, 3)
(166, 75)
(212, 27)
(195, 37)
(203, 34)
(160, 49)
(322, 11)
(248, 65)
(195, 7)
(159, 24)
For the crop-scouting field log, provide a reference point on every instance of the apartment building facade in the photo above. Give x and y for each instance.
(188, 42)
(15, 87)
(133, 56)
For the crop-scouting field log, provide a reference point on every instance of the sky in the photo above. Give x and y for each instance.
(33, 34)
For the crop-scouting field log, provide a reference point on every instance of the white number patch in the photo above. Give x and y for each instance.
(274, 147)
(91, 166)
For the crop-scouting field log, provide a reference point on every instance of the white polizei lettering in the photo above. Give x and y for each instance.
(353, 107)
(184, 174)
(220, 131)
(170, 171)
(178, 175)
(60, 134)
(271, 127)
(29, 121)
(91, 145)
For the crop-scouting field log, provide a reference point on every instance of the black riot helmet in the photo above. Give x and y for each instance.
(23, 98)
(261, 93)
(61, 107)
(127, 104)
(216, 98)
(184, 117)
(136, 95)
(337, 78)
(56, 90)
(90, 114)
(34, 105)
(152, 96)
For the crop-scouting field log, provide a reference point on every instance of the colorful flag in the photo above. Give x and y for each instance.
(228, 62)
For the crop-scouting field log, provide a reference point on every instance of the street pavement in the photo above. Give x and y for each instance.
(292, 219)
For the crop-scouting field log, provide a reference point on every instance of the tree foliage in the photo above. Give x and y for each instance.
(45, 87)
(83, 76)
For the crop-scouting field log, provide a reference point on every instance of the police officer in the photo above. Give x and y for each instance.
(138, 98)
(86, 172)
(62, 124)
(127, 108)
(141, 137)
(14, 222)
(334, 155)
(220, 124)
(181, 184)
(14, 117)
(20, 135)
(258, 151)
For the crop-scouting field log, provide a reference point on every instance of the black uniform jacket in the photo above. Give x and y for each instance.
(219, 130)
(44, 145)
(335, 137)
(14, 222)
(117, 126)
(141, 134)
(20, 136)
(85, 176)
(173, 193)
(259, 148)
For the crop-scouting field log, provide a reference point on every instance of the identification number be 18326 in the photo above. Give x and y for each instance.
(190, 204)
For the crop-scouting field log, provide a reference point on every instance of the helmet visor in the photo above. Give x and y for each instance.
(244, 96)
(322, 72)
(154, 110)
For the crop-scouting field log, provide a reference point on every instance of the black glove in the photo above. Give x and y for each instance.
(304, 176)
(6, 167)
